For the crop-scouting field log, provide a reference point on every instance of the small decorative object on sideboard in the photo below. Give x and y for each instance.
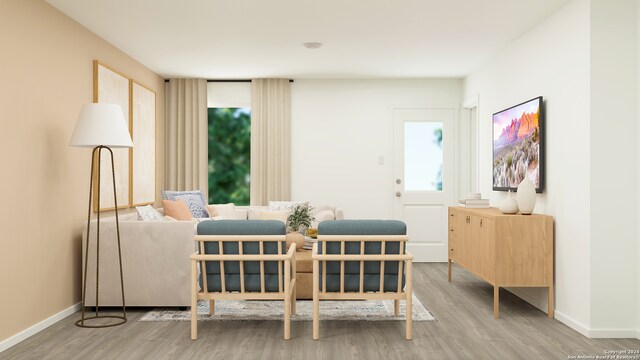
(509, 205)
(526, 196)
(474, 200)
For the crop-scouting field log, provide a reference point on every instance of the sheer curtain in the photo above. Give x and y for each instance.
(270, 140)
(186, 135)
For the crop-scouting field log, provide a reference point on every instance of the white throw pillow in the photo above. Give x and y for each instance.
(285, 205)
(274, 215)
(317, 209)
(322, 216)
(148, 213)
(226, 210)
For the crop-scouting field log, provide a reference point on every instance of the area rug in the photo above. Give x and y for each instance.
(243, 310)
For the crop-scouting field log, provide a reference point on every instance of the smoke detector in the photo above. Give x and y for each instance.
(312, 45)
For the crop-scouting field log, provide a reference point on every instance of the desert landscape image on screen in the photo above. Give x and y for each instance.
(516, 145)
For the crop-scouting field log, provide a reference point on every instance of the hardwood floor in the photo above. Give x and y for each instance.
(465, 330)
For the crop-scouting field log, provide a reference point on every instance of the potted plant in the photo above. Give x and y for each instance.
(300, 218)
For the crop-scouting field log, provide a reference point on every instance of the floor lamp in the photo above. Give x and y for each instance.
(101, 127)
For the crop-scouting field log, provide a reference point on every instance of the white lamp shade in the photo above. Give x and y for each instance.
(101, 124)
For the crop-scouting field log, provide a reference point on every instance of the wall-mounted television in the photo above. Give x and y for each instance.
(518, 145)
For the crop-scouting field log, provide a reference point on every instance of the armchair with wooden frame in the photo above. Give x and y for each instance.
(362, 260)
(246, 260)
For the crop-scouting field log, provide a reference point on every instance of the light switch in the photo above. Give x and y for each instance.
(381, 160)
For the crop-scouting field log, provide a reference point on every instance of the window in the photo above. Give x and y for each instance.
(229, 155)
(423, 156)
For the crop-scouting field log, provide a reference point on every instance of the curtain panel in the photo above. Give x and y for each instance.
(186, 135)
(270, 140)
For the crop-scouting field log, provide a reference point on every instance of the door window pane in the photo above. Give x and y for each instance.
(423, 156)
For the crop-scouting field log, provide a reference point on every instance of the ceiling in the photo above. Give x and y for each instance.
(241, 39)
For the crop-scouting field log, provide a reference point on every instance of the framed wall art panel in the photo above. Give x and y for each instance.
(111, 87)
(143, 155)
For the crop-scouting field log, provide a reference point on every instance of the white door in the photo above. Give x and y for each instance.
(424, 178)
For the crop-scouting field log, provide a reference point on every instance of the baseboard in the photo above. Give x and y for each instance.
(571, 323)
(597, 333)
(613, 333)
(25, 334)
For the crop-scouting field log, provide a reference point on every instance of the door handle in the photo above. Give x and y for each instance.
(398, 194)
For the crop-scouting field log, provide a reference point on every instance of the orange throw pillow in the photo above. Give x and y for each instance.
(177, 209)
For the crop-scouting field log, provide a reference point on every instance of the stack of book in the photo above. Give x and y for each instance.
(308, 243)
(475, 203)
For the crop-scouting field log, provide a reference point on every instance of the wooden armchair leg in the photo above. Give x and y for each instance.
(316, 301)
(287, 318)
(409, 302)
(194, 301)
(396, 307)
(212, 307)
(287, 299)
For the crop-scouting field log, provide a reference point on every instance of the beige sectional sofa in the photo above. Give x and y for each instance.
(155, 258)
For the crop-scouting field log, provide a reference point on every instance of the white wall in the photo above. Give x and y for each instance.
(339, 130)
(583, 61)
(551, 60)
(613, 153)
(638, 153)
(229, 94)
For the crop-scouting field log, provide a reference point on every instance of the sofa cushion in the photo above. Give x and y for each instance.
(226, 210)
(176, 209)
(242, 214)
(274, 215)
(253, 212)
(322, 216)
(194, 200)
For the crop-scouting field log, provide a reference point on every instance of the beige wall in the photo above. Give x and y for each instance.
(45, 76)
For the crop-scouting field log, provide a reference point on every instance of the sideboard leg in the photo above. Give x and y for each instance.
(496, 301)
(449, 270)
(550, 302)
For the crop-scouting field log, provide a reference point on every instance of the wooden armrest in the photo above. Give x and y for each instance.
(292, 250)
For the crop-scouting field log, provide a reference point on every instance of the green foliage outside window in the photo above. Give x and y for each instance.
(438, 135)
(229, 155)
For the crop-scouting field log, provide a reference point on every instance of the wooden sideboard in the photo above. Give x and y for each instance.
(504, 250)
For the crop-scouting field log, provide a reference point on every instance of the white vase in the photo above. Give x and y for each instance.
(526, 196)
(508, 205)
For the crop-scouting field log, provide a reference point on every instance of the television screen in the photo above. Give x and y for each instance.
(518, 145)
